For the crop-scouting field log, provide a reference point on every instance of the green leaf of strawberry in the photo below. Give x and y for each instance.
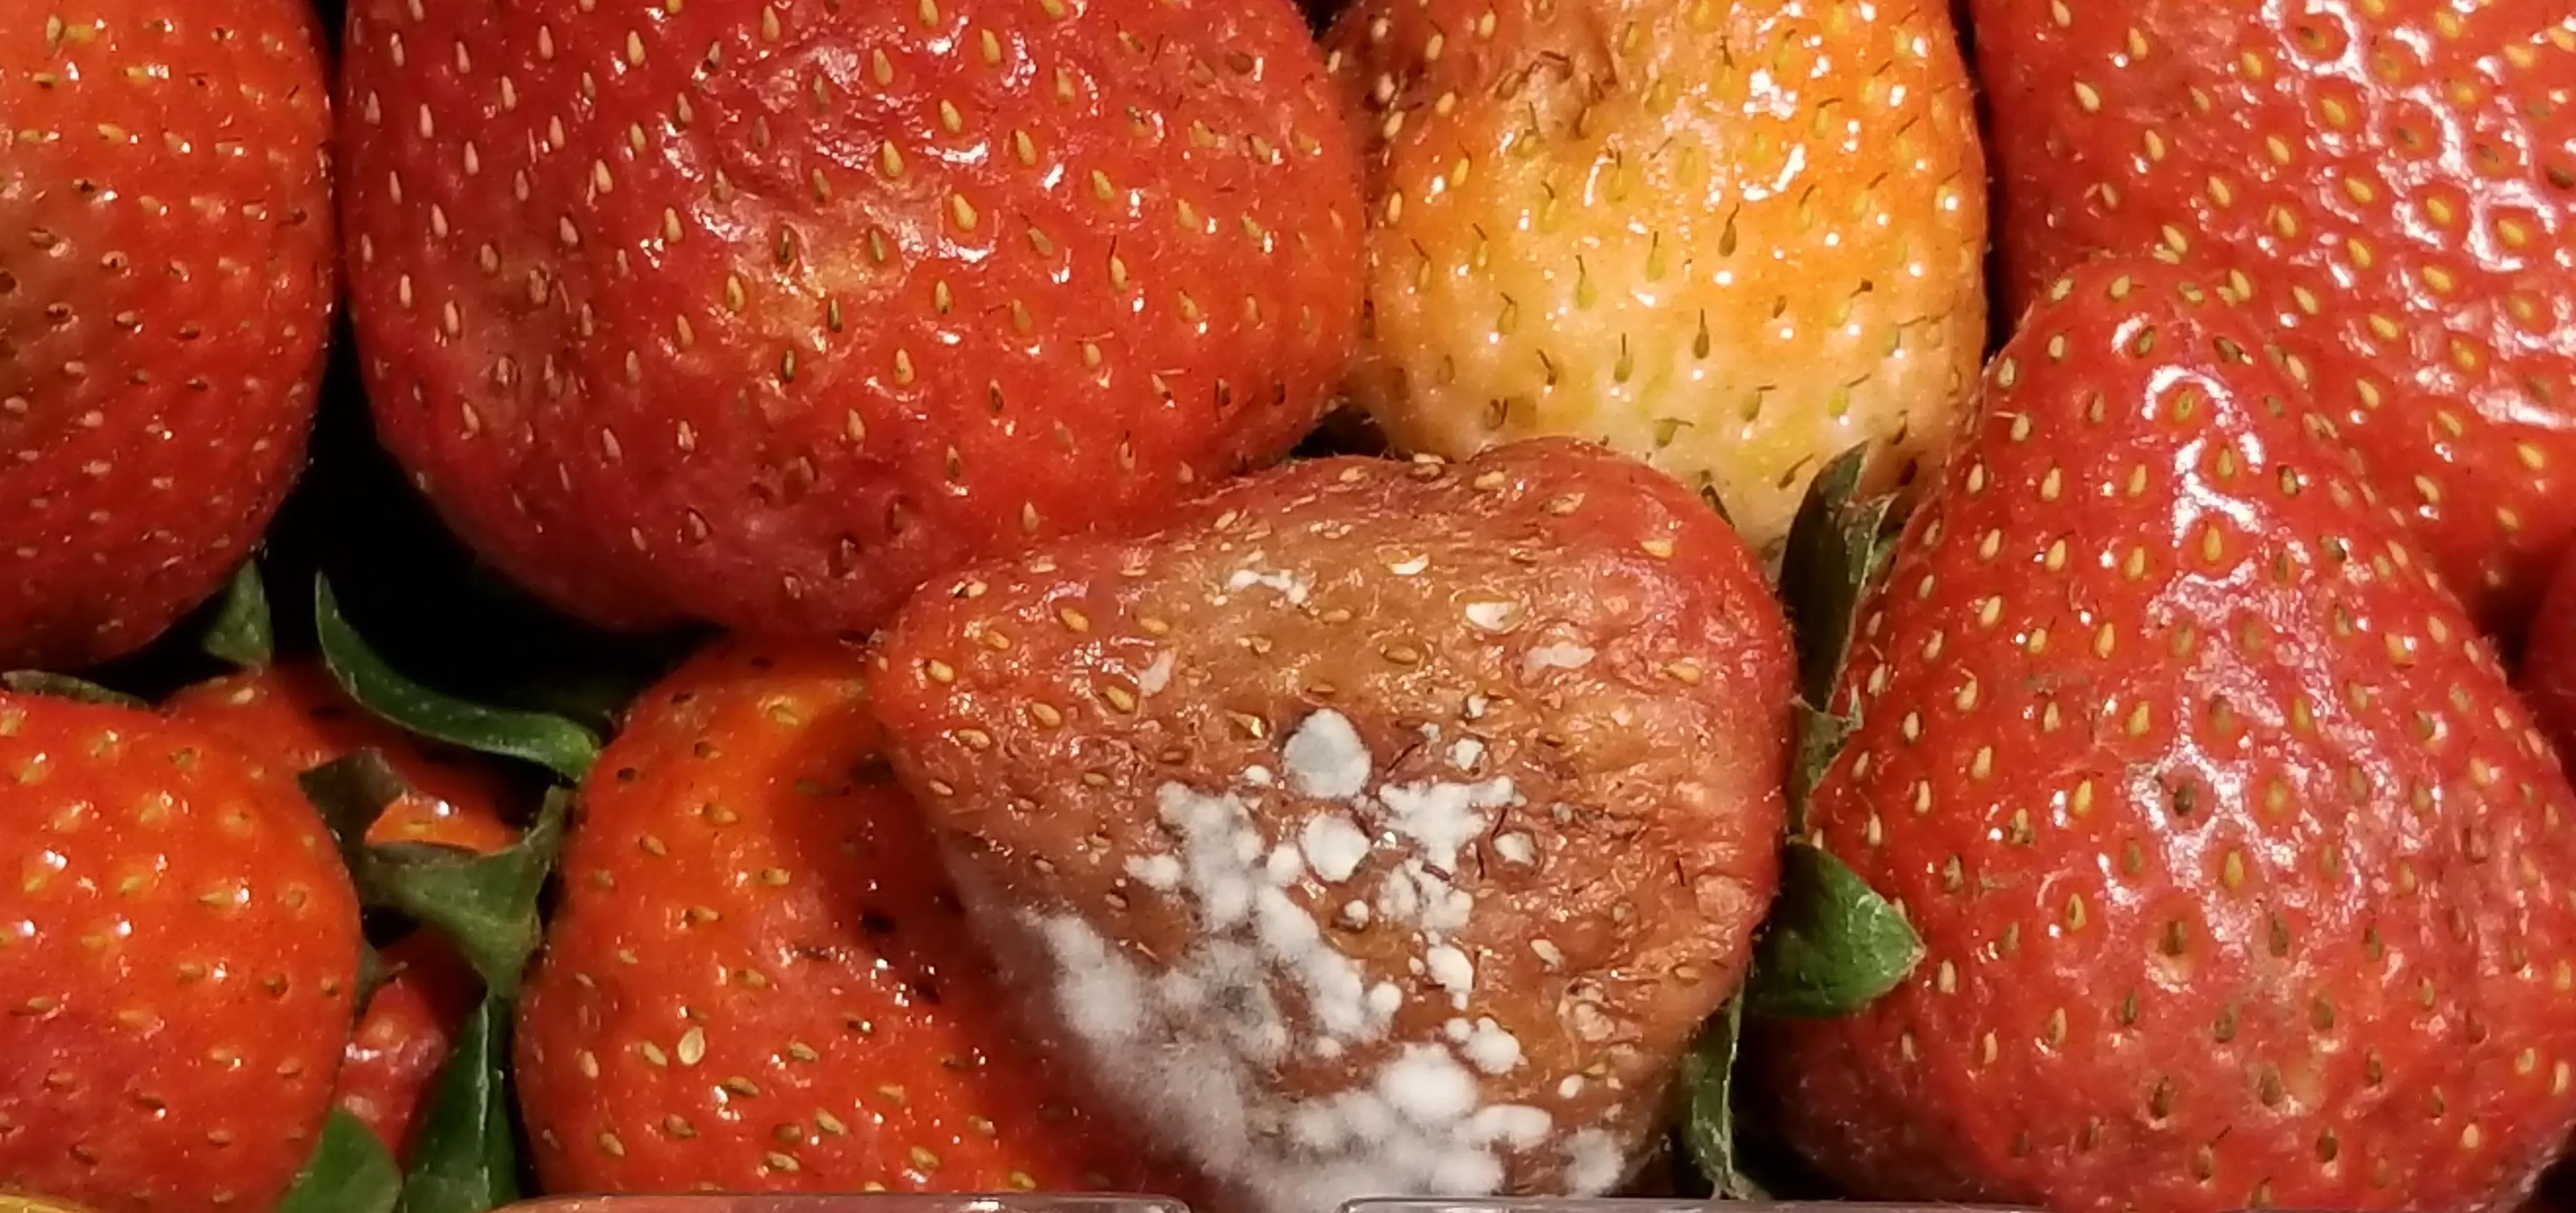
(350, 1172)
(1708, 1105)
(466, 1160)
(1831, 946)
(1836, 549)
(485, 904)
(548, 740)
(241, 631)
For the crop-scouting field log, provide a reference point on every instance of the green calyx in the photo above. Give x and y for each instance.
(1831, 945)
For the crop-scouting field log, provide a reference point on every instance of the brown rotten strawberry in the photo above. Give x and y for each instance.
(1731, 239)
(2241, 873)
(758, 979)
(762, 313)
(2396, 183)
(178, 960)
(1375, 828)
(168, 280)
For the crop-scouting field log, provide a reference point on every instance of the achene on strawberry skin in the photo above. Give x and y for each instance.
(2242, 874)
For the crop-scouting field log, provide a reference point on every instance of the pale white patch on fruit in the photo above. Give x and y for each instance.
(1593, 1163)
(1558, 656)
(1160, 872)
(1157, 675)
(1334, 847)
(1289, 586)
(1465, 753)
(1262, 981)
(1487, 1046)
(1443, 818)
(1415, 1123)
(1474, 708)
(1326, 758)
(1451, 969)
(1490, 616)
(1516, 848)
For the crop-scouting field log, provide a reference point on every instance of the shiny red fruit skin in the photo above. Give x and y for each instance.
(2547, 674)
(403, 1039)
(164, 299)
(2396, 180)
(759, 978)
(294, 717)
(762, 313)
(178, 959)
(2242, 875)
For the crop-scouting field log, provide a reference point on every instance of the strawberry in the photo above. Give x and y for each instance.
(178, 949)
(2393, 184)
(163, 305)
(758, 979)
(1733, 240)
(2239, 870)
(2548, 673)
(1377, 829)
(763, 312)
(404, 1036)
(296, 718)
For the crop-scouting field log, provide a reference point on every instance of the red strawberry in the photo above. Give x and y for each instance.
(764, 312)
(1732, 239)
(1379, 829)
(2548, 673)
(2241, 873)
(758, 979)
(2396, 182)
(178, 953)
(296, 718)
(168, 284)
(404, 1036)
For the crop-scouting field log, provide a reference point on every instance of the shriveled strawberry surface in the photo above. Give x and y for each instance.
(762, 313)
(2393, 181)
(178, 964)
(165, 295)
(1374, 827)
(760, 980)
(2239, 869)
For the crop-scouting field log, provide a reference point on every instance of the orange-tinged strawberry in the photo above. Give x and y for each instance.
(2395, 180)
(2241, 874)
(1377, 829)
(296, 717)
(178, 957)
(761, 313)
(164, 298)
(759, 979)
(1734, 240)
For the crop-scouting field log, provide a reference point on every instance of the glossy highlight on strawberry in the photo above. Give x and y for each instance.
(759, 980)
(179, 967)
(2393, 183)
(2241, 874)
(760, 313)
(167, 277)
